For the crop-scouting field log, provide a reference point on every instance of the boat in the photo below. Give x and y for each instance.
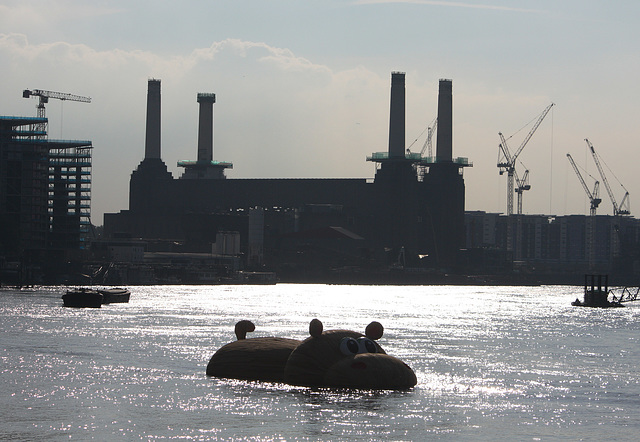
(116, 294)
(596, 293)
(82, 297)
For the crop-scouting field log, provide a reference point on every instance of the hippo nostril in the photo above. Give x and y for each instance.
(359, 365)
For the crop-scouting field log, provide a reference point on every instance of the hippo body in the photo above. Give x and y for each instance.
(255, 359)
(332, 358)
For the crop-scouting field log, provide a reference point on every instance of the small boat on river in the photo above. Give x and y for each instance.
(88, 297)
(110, 296)
(82, 297)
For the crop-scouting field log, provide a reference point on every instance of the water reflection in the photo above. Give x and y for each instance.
(513, 361)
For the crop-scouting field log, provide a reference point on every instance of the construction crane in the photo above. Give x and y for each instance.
(594, 199)
(507, 162)
(428, 143)
(44, 98)
(623, 208)
(521, 186)
(512, 176)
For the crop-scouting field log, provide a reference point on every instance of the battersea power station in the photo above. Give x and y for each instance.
(411, 215)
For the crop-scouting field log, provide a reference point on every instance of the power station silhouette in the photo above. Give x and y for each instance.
(412, 213)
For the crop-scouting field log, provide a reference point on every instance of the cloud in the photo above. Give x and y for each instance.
(277, 114)
(282, 57)
(38, 13)
(18, 47)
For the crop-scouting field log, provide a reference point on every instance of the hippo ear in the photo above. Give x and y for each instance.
(315, 328)
(242, 327)
(374, 330)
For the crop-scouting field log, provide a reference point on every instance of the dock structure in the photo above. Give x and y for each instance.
(627, 294)
(596, 290)
(596, 293)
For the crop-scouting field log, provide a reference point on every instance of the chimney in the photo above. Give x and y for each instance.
(444, 143)
(205, 127)
(396, 116)
(152, 141)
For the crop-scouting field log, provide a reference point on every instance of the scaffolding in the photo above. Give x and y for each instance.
(69, 192)
(23, 186)
(46, 188)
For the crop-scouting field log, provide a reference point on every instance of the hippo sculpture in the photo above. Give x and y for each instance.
(331, 358)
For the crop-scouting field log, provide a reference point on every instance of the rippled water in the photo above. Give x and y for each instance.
(515, 363)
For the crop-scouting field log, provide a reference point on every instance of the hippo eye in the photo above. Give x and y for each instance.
(349, 346)
(367, 346)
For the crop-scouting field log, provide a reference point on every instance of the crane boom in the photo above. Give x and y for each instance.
(593, 196)
(45, 95)
(505, 152)
(575, 168)
(532, 131)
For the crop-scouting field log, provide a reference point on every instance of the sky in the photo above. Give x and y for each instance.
(303, 86)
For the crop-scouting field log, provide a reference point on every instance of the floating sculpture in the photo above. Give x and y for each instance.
(332, 358)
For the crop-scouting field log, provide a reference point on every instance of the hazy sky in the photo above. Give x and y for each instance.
(303, 86)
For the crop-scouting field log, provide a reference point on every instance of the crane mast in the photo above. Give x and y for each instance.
(507, 166)
(594, 200)
(507, 163)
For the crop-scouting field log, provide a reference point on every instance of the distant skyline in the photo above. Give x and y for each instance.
(303, 87)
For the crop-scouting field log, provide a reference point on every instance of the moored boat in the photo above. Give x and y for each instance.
(82, 297)
(110, 296)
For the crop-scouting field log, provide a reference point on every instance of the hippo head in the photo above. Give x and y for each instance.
(344, 358)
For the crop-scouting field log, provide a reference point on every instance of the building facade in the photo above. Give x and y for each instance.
(45, 195)
(544, 244)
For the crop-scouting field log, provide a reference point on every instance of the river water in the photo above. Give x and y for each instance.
(511, 363)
